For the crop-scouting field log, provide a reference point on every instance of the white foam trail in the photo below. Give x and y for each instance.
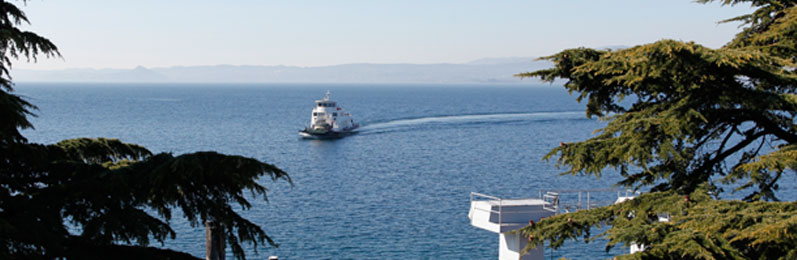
(476, 118)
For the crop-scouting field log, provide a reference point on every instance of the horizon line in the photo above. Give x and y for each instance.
(531, 59)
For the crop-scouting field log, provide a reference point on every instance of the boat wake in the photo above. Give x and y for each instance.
(471, 120)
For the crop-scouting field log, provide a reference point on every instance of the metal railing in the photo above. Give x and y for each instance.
(488, 197)
(584, 199)
(556, 200)
(551, 200)
(552, 205)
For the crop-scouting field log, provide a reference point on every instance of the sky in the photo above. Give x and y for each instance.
(157, 33)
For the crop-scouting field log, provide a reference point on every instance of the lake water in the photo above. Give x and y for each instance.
(399, 189)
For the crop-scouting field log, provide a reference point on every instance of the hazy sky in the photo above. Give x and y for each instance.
(160, 33)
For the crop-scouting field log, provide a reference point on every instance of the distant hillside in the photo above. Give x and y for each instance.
(499, 70)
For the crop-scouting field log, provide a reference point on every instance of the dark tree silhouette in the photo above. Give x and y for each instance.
(106, 190)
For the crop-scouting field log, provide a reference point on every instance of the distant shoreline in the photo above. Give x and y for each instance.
(489, 71)
(524, 83)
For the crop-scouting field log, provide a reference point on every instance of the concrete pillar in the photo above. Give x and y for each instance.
(510, 245)
(214, 241)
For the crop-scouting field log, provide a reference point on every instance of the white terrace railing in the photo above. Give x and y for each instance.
(511, 208)
(475, 196)
(557, 201)
(584, 199)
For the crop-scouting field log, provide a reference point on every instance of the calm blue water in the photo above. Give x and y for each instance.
(397, 190)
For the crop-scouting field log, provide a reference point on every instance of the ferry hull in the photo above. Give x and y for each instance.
(308, 134)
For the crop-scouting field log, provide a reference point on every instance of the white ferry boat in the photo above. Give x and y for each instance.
(328, 121)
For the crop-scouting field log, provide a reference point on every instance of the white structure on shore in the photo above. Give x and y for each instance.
(504, 215)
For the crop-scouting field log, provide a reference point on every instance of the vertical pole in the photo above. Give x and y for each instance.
(588, 206)
(214, 241)
(500, 213)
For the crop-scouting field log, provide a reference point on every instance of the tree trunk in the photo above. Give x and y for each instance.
(214, 241)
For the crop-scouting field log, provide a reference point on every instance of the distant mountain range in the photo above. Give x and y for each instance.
(489, 70)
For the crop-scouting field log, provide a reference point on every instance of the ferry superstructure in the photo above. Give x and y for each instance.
(328, 120)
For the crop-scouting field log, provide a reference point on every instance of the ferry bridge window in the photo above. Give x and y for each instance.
(315, 114)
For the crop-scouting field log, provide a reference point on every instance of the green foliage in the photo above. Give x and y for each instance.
(110, 192)
(699, 228)
(690, 109)
(770, 27)
(682, 117)
(99, 150)
(777, 39)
